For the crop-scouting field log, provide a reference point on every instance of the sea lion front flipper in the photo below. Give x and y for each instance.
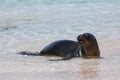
(78, 53)
(71, 55)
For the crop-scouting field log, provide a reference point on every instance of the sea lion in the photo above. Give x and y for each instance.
(89, 45)
(66, 49)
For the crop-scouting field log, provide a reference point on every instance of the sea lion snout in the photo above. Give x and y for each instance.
(80, 39)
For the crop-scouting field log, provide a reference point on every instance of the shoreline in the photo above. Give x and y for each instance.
(33, 68)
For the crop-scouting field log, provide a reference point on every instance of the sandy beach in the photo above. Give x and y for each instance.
(21, 67)
(29, 25)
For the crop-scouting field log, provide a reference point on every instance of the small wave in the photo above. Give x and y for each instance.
(14, 2)
(7, 28)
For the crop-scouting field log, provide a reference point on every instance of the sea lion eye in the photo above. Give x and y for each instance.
(86, 36)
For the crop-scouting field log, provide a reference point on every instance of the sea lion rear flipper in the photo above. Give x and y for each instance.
(29, 53)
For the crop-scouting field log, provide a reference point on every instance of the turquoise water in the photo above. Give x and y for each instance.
(24, 22)
(56, 1)
(9, 3)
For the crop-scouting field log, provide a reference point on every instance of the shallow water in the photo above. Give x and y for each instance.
(29, 26)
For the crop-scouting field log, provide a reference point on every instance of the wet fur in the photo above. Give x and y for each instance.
(90, 48)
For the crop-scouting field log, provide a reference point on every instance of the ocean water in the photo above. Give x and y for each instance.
(29, 25)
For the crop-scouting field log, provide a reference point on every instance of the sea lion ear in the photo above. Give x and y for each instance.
(92, 37)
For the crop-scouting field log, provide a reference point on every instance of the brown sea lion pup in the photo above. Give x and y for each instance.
(89, 46)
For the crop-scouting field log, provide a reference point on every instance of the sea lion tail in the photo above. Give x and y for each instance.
(29, 53)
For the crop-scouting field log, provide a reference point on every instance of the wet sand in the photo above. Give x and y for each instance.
(19, 67)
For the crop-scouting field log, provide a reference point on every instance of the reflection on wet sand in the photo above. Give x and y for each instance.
(89, 70)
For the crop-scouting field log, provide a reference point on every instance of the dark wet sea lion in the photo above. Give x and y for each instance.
(66, 49)
(89, 45)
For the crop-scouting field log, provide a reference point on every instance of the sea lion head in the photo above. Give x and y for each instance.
(89, 45)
